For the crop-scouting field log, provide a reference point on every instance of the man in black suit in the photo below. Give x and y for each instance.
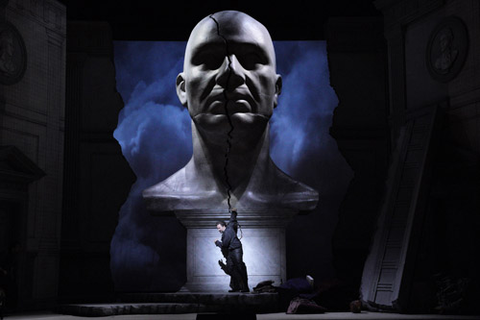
(232, 250)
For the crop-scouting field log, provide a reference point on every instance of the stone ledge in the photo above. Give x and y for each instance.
(113, 309)
(202, 297)
(179, 302)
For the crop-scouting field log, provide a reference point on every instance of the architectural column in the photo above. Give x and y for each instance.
(32, 108)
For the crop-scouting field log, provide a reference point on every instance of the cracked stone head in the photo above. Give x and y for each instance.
(229, 68)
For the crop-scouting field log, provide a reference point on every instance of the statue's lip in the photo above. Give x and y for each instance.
(249, 117)
(233, 106)
(235, 101)
(234, 95)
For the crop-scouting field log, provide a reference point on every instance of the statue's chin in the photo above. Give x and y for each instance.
(247, 127)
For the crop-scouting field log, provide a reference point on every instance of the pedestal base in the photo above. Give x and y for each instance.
(264, 256)
(262, 234)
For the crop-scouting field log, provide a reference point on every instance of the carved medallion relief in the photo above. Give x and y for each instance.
(447, 49)
(13, 55)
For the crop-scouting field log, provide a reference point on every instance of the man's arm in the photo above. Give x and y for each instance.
(233, 223)
(233, 216)
(224, 250)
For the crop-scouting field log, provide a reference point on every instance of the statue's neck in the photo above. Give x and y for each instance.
(210, 159)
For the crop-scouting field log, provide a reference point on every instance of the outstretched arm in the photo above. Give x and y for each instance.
(233, 220)
(233, 215)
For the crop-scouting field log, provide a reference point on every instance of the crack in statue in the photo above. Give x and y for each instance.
(229, 133)
(226, 87)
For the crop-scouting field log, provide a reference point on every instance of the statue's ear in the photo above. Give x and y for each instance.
(181, 93)
(278, 90)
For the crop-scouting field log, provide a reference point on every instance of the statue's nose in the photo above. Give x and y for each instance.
(231, 74)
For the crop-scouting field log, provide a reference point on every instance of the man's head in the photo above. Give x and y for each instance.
(229, 65)
(221, 226)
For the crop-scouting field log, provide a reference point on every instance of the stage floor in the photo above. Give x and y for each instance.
(269, 316)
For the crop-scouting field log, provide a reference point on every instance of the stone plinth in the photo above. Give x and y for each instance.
(263, 238)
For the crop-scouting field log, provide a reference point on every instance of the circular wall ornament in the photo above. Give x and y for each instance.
(447, 49)
(13, 55)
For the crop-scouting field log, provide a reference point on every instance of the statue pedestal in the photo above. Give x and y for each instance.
(263, 240)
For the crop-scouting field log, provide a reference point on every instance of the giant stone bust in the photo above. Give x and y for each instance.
(230, 86)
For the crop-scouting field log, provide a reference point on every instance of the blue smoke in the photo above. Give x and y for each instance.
(306, 97)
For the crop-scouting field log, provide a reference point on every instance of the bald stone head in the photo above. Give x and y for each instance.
(229, 68)
(230, 86)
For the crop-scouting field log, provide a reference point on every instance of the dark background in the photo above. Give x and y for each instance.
(174, 20)
(376, 56)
